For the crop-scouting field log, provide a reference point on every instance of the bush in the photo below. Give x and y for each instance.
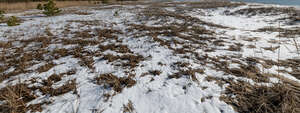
(13, 21)
(49, 8)
(1, 15)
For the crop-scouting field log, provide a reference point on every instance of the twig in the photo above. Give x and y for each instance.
(278, 57)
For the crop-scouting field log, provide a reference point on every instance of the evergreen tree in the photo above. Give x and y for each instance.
(13, 21)
(49, 8)
(1, 15)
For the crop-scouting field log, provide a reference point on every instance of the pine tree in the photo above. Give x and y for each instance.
(49, 8)
(1, 15)
(13, 21)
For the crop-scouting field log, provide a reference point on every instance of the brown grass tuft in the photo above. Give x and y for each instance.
(46, 67)
(130, 60)
(191, 73)
(21, 6)
(69, 86)
(264, 10)
(117, 48)
(128, 108)
(15, 98)
(155, 72)
(112, 81)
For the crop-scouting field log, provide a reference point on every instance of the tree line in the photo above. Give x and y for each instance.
(14, 1)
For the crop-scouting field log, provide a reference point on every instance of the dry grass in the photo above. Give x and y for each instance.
(80, 42)
(196, 37)
(83, 34)
(265, 10)
(69, 86)
(52, 79)
(128, 108)
(271, 48)
(15, 98)
(5, 44)
(108, 33)
(191, 73)
(204, 4)
(155, 72)
(235, 48)
(117, 48)
(214, 4)
(262, 99)
(130, 60)
(289, 33)
(46, 67)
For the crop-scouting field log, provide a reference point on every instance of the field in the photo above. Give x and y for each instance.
(19, 6)
(152, 57)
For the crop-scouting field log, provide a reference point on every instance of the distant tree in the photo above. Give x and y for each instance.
(1, 15)
(49, 8)
(13, 21)
(105, 1)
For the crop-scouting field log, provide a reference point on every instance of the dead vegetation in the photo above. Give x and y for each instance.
(155, 72)
(46, 67)
(206, 4)
(277, 98)
(130, 61)
(80, 42)
(287, 33)
(157, 13)
(190, 74)
(257, 98)
(291, 12)
(15, 98)
(190, 35)
(269, 11)
(128, 108)
(116, 83)
(22, 6)
(117, 48)
(52, 79)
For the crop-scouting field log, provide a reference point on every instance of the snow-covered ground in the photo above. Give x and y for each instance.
(171, 48)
